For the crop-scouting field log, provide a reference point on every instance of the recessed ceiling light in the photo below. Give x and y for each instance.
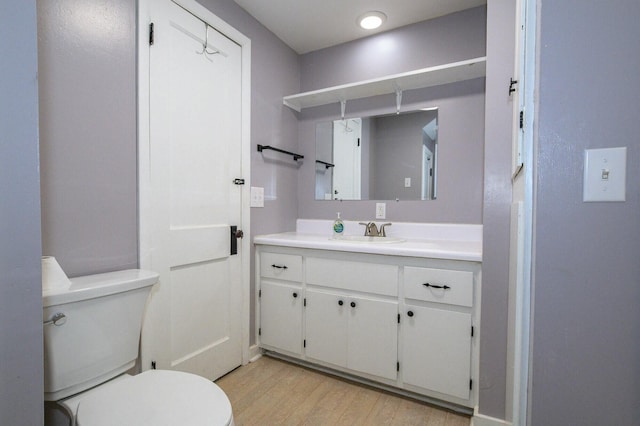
(371, 20)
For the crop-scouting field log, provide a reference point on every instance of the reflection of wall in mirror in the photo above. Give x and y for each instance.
(324, 152)
(398, 155)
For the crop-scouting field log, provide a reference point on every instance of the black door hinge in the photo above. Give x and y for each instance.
(471, 331)
(470, 384)
(512, 83)
(238, 181)
(260, 332)
(304, 343)
(522, 119)
(151, 34)
(397, 366)
(398, 318)
(259, 293)
(304, 302)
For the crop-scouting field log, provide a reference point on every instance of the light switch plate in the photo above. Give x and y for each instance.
(407, 182)
(605, 174)
(381, 210)
(257, 196)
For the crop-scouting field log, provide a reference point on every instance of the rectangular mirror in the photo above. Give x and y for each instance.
(384, 157)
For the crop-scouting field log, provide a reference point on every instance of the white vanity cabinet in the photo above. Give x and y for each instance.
(437, 330)
(400, 322)
(281, 302)
(351, 313)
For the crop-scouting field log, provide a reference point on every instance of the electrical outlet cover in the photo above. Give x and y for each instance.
(381, 210)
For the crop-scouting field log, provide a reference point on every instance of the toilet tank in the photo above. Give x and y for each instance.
(99, 335)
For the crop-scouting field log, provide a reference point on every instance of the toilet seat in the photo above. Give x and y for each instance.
(156, 397)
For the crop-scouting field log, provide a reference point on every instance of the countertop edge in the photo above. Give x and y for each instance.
(317, 242)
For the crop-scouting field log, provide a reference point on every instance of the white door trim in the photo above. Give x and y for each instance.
(144, 196)
(519, 379)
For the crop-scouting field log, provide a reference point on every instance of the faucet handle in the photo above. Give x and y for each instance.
(382, 229)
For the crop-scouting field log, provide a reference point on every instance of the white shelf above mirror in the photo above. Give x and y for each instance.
(418, 79)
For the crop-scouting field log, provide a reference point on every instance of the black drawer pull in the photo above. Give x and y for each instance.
(446, 287)
(279, 267)
(353, 304)
(340, 302)
(295, 295)
(410, 313)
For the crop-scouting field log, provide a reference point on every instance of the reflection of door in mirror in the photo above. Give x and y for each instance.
(347, 135)
(429, 138)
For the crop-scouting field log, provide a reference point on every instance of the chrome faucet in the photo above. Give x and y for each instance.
(371, 229)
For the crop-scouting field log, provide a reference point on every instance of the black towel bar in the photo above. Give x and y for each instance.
(326, 165)
(296, 157)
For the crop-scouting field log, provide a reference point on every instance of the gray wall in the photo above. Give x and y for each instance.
(501, 15)
(87, 88)
(586, 342)
(21, 374)
(451, 38)
(456, 37)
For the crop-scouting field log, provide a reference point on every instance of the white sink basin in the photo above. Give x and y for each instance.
(364, 239)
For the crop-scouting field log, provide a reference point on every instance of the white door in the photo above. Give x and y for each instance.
(193, 320)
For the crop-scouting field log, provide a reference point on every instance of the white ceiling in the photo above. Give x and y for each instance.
(308, 25)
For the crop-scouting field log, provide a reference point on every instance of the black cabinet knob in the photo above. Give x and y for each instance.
(295, 294)
(340, 302)
(353, 304)
(410, 313)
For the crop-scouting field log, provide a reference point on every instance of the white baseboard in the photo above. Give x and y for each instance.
(482, 420)
(254, 353)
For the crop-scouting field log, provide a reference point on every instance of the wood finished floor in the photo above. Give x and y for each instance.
(274, 392)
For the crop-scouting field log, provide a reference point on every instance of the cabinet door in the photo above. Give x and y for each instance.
(326, 327)
(437, 350)
(373, 337)
(281, 316)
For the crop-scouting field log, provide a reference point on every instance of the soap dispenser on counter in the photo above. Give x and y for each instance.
(338, 227)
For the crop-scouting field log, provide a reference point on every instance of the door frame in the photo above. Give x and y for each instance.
(524, 162)
(144, 193)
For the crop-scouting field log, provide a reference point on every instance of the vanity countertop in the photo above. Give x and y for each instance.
(446, 241)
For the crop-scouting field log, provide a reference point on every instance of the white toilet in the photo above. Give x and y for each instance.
(91, 336)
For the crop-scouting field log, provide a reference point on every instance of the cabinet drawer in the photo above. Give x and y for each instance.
(281, 266)
(357, 276)
(439, 285)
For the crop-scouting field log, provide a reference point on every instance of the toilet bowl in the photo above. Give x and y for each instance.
(91, 336)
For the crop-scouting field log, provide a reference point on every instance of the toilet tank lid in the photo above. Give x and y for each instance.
(92, 286)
